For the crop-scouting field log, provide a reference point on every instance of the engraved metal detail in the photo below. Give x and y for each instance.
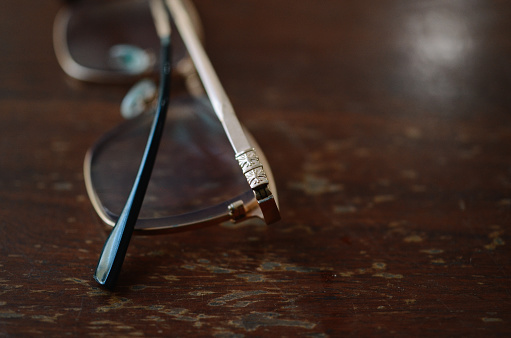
(256, 177)
(252, 168)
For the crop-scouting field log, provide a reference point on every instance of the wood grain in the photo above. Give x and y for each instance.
(388, 128)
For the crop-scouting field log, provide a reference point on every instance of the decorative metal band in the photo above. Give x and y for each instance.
(252, 168)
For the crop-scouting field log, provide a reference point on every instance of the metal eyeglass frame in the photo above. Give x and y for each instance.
(252, 164)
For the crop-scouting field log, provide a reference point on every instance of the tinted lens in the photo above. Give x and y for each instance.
(195, 169)
(115, 37)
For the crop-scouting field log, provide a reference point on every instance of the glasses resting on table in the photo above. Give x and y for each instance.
(185, 161)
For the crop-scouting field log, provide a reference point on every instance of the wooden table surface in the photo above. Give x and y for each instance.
(388, 127)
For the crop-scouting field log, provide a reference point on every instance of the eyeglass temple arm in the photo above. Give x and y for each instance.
(245, 154)
(116, 245)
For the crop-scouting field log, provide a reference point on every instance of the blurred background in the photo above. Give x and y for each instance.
(388, 128)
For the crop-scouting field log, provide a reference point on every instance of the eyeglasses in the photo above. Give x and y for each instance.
(140, 175)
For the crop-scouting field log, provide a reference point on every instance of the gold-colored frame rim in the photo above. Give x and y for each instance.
(87, 74)
(252, 208)
(264, 205)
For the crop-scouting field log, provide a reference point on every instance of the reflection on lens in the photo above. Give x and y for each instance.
(195, 168)
(95, 27)
(130, 59)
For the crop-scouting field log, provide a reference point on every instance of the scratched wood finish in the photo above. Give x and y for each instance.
(388, 127)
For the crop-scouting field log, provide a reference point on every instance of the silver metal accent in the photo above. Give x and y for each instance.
(258, 181)
(252, 168)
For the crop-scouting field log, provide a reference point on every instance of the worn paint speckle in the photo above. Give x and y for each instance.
(395, 224)
(200, 293)
(274, 266)
(491, 320)
(157, 253)
(155, 307)
(432, 251)
(243, 303)
(174, 311)
(95, 291)
(346, 274)
(217, 269)
(76, 280)
(313, 185)
(438, 261)
(235, 295)
(376, 270)
(316, 335)
(227, 334)
(124, 327)
(179, 314)
(253, 278)
(302, 269)
(47, 319)
(413, 239)
(104, 322)
(11, 315)
(379, 266)
(115, 304)
(153, 319)
(388, 275)
(171, 278)
(62, 186)
(255, 320)
(267, 266)
(496, 239)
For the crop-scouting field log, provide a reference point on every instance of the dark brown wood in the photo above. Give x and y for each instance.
(388, 127)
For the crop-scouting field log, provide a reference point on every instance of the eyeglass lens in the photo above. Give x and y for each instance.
(195, 168)
(98, 35)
